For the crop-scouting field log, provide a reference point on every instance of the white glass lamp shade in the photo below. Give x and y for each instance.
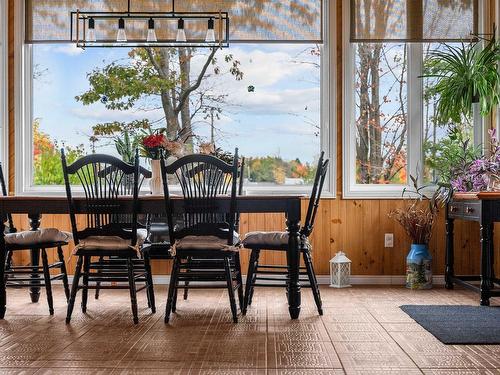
(181, 34)
(340, 271)
(210, 38)
(151, 38)
(121, 36)
(91, 37)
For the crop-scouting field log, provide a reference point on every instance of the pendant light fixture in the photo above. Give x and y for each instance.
(83, 28)
(121, 36)
(181, 34)
(151, 38)
(91, 37)
(210, 37)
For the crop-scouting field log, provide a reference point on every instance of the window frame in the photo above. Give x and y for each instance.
(23, 116)
(415, 107)
(4, 117)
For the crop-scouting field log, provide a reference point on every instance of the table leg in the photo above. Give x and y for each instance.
(35, 259)
(3, 296)
(486, 231)
(450, 254)
(491, 261)
(293, 260)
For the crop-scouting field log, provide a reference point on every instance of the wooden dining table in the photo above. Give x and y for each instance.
(35, 206)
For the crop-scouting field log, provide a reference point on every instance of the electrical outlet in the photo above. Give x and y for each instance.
(389, 240)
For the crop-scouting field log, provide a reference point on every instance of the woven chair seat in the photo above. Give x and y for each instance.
(30, 238)
(110, 243)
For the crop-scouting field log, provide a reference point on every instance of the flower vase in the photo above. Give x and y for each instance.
(156, 182)
(419, 267)
(494, 183)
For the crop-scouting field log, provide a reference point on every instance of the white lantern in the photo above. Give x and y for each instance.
(340, 271)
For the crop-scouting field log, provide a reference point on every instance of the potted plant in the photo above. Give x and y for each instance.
(417, 219)
(152, 145)
(464, 75)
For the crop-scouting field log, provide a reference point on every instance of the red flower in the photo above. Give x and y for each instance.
(154, 140)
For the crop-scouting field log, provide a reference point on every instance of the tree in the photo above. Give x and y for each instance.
(165, 74)
(47, 158)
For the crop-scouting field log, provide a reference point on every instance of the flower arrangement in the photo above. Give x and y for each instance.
(481, 174)
(417, 218)
(153, 144)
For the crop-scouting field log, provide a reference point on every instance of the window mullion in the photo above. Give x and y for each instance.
(415, 111)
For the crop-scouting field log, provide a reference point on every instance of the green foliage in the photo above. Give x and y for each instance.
(452, 154)
(47, 159)
(274, 169)
(125, 136)
(464, 75)
(119, 87)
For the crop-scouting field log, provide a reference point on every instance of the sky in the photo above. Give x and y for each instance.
(276, 119)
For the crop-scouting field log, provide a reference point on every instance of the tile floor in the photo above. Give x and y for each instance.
(362, 332)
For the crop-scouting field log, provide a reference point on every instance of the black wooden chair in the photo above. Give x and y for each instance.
(117, 264)
(38, 242)
(108, 231)
(276, 275)
(206, 246)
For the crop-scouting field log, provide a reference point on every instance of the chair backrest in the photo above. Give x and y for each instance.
(7, 217)
(104, 179)
(203, 179)
(312, 208)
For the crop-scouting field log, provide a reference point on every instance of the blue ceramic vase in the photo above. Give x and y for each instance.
(419, 267)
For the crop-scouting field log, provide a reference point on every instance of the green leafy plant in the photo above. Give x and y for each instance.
(464, 74)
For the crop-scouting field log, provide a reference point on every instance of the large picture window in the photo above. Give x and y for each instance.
(390, 127)
(268, 99)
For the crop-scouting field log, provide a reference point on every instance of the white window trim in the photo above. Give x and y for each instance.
(23, 114)
(353, 190)
(4, 116)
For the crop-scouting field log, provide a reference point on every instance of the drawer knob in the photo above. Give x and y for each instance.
(469, 210)
(453, 208)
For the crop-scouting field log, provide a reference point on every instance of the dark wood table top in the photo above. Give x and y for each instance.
(484, 195)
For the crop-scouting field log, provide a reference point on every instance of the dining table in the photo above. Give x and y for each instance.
(36, 206)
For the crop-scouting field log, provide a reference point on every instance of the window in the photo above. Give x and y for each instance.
(266, 99)
(390, 130)
(3, 82)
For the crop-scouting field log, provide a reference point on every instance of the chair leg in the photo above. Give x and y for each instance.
(313, 281)
(186, 283)
(98, 283)
(254, 276)
(48, 284)
(133, 291)
(8, 265)
(150, 287)
(248, 286)
(60, 254)
(171, 288)
(174, 300)
(230, 290)
(85, 291)
(74, 288)
(239, 279)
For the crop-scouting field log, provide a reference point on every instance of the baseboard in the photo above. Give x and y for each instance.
(325, 280)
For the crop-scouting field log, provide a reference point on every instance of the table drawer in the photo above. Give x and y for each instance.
(455, 209)
(472, 210)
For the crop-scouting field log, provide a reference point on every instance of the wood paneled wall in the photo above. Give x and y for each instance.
(354, 226)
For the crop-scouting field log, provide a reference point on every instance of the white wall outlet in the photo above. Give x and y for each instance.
(389, 240)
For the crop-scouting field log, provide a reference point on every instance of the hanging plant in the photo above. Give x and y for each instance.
(464, 75)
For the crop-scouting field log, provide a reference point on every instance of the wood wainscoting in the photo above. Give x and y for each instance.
(356, 227)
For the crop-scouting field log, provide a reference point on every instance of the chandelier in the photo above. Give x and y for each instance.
(149, 29)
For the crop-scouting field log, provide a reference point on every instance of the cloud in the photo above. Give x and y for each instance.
(68, 49)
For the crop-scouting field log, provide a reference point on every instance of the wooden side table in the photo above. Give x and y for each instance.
(485, 209)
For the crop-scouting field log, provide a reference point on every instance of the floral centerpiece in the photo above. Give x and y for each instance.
(481, 174)
(417, 219)
(152, 146)
(209, 148)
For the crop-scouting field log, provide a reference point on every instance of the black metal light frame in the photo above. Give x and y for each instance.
(81, 17)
